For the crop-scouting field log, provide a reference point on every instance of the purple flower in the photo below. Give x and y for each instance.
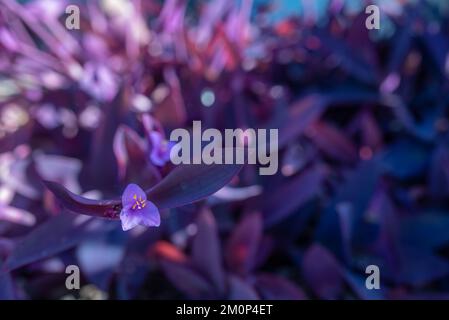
(137, 209)
(160, 149)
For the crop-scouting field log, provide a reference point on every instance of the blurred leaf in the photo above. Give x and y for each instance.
(299, 116)
(352, 196)
(322, 272)
(6, 287)
(350, 61)
(55, 236)
(187, 280)
(240, 290)
(273, 287)
(333, 142)
(291, 196)
(357, 283)
(419, 267)
(16, 215)
(425, 230)
(168, 251)
(438, 48)
(99, 268)
(229, 194)
(243, 244)
(131, 276)
(438, 178)
(206, 251)
(406, 159)
(132, 158)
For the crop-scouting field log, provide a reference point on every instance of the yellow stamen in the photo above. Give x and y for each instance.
(139, 204)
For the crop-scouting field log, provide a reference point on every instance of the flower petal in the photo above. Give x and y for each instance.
(129, 220)
(145, 213)
(148, 216)
(160, 149)
(156, 139)
(128, 195)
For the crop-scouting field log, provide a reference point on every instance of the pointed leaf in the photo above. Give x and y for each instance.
(187, 280)
(322, 272)
(6, 287)
(78, 204)
(54, 236)
(184, 185)
(243, 245)
(240, 290)
(190, 183)
(206, 251)
(273, 287)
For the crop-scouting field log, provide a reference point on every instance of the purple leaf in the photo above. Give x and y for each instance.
(332, 142)
(187, 280)
(298, 190)
(350, 60)
(349, 196)
(240, 290)
(406, 158)
(243, 244)
(189, 183)
(54, 236)
(370, 131)
(131, 276)
(419, 267)
(127, 144)
(132, 158)
(78, 204)
(6, 287)
(300, 115)
(438, 176)
(322, 272)
(206, 251)
(184, 185)
(273, 287)
(399, 52)
(426, 230)
(357, 283)
(439, 49)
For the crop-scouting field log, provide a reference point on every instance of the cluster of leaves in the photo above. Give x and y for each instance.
(363, 149)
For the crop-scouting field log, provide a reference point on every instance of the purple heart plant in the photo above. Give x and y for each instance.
(362, 117)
